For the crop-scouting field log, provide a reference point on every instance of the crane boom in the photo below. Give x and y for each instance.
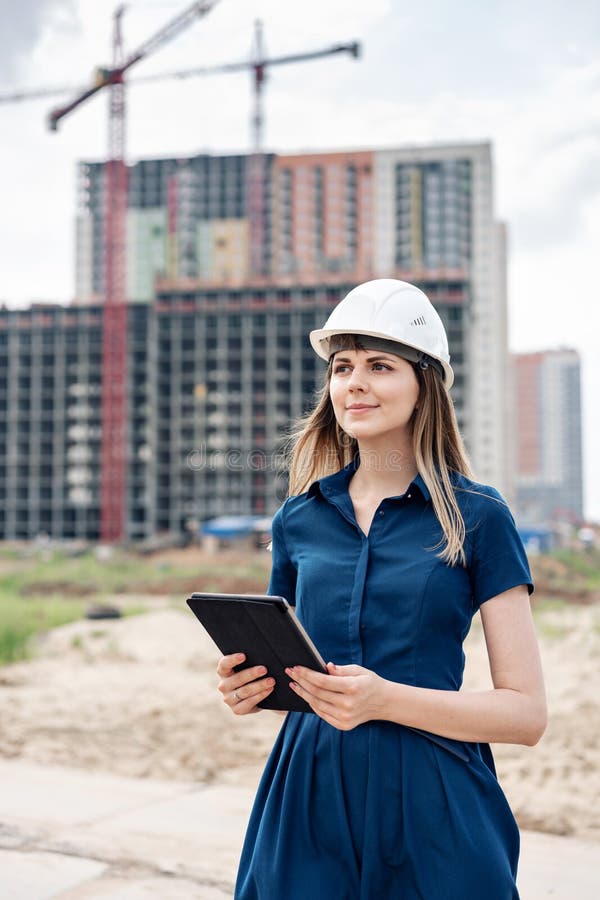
(169, 31)
(36, 93)
(354, 49)
(115, 75)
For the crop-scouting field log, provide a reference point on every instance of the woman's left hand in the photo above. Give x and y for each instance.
(346, 697)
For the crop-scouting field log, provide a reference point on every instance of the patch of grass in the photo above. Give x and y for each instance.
(548, 604)
(134, 610)
(123, 573)
(546, 624)
(552, 630)
(41, 588)
(584, 565)
(9, 552)
(21, 620)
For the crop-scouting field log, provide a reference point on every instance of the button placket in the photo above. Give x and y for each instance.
(360, 577)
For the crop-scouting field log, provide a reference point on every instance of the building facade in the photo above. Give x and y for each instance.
(50, 421)
(424, 214)
(214, 379)
(548, 433)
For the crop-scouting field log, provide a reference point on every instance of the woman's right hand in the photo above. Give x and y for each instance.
(241, 691)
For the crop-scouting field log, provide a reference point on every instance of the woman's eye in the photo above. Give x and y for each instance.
(340, 369)
(381, 366)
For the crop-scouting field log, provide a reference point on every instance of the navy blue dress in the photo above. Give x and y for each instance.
(383, 811)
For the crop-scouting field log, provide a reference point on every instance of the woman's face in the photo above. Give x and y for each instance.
(373, 393)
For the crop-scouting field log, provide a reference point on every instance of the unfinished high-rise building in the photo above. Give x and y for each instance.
(219, 361)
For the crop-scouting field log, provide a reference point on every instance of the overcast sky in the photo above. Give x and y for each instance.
(524, 75)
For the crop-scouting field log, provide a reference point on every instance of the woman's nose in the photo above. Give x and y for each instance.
(357, 379)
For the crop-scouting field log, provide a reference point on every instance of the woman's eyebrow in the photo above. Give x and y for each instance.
(370, 359)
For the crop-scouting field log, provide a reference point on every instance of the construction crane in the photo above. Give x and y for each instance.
(114, 339)
(258, 65)
(113, 455)
(256, 167)
(255, 182)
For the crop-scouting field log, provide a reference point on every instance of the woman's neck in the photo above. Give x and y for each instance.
(386, 472)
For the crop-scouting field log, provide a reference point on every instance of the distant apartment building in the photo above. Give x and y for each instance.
(423, 214)
(548, 437)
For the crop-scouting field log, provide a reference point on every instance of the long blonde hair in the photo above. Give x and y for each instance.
(319, 447)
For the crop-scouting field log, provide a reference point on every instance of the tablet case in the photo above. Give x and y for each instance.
(267, 631)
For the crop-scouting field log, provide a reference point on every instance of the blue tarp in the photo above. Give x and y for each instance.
(536, 540)
(235, 526)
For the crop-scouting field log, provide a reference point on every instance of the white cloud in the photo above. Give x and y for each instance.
(22, 29)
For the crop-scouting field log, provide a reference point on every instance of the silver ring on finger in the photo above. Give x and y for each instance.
(236, 697)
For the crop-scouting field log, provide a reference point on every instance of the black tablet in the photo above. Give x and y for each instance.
(267, 631)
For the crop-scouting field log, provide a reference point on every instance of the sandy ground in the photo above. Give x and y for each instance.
(136, 696)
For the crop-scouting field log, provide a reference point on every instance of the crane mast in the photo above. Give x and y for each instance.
(256, 161)
(113, 453)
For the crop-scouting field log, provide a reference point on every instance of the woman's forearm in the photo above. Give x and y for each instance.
(499, 715)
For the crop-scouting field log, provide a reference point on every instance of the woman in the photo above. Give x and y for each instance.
(387, 548)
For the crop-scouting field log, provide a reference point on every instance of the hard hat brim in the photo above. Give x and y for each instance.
(319, 340)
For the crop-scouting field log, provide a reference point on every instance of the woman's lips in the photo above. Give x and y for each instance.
(360, 408)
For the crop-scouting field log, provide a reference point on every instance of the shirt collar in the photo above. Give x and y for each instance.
(337, 484)
(332, 485)
(419, 483)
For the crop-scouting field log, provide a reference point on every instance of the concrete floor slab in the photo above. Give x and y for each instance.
(151, 840)
(201, 831)
(41, 876)
(46, 794)
(215, 813)
(146, 889)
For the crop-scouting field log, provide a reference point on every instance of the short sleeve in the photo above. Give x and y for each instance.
(283, 572)
(498, 559)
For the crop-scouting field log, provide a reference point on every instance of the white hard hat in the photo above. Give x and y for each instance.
(389, 310)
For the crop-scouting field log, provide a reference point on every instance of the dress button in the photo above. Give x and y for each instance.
(408, 496)
(381, 512)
